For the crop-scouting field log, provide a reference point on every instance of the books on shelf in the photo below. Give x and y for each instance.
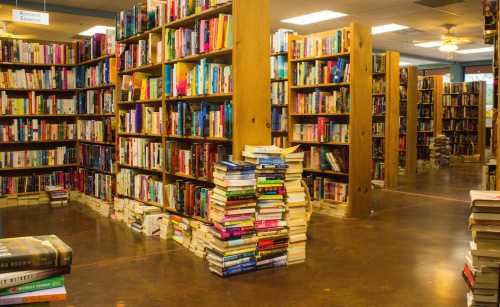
(95, 184)
(378, 129)
(141, 119)
(36, 182)
(378, 105)
(141, 187)
(96, 101)
(144, 52)
(280, 141)
(378, 63)
(189, 198)
(140, 152)
(201, 119)
(60, 78)
(279, 67)
(20, 51)
(36, 130)
(489, 176)
(378, 86)
(141, 86)
(326, 130)
(378, 170)
(321, 72)
(97, 157)
(96, 46)
(32, 158)
(319, 101)
(36, 104)
(95, 75)
(279, 93)
(462, 87)
(279, 119)
(327, 189)
(317, 46)
(279, 40)
(102, 130)
(426, 83)
(323, 158)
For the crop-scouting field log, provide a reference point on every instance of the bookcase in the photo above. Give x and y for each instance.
(385, 119)
(335, 134)
(429, 113)
(463, 119)
(181, 153)
(408, 120)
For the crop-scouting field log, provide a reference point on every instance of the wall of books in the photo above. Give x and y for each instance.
(408, 120)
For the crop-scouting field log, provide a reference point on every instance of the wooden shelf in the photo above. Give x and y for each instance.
(142, 169)
(149, 101)
(143, 68)
(321, 143)
(141, 36)
(99, 87)
(34, 64)
(139, 135)
(40, 167)
(97, 143)
(201, 97)
(39, 90)
(88, 168)
(96, 60)
(97, 115)
(320, 114)
(321, 58)
(282, 53)
(279, 80)
(198, 57)
(48, 142)
(327, 172)
(199, 138)
(299, 87)
(37, 115)
(279, 106)
(189, 177)
(190, 20)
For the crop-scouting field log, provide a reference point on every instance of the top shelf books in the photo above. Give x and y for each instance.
(312, 47)
(23, 52)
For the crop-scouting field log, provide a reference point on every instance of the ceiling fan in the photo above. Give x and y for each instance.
(450, 41)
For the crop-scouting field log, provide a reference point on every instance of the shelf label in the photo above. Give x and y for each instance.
(30, 17)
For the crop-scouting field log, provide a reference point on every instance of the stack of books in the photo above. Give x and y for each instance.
(440, 152)
(58, 195)
(232, 211)
(199, 238)
(32, 269)
(165, 227)
(181, 230)
(270, 222)
(481, 270)
(296, 216)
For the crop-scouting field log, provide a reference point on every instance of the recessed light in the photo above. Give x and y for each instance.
(314, 17)
(387, 28)
(96, 29)
(475, 50)
(430, 44)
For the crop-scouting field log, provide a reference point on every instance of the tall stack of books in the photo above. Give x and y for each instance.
(440, 151)
(58, 195)
(199, 238)
(232, 211)
(481, 270)
(296, 216)
(270, 222)
(32, 269)
(181, 230)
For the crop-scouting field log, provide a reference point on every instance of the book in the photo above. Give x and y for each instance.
(279, 93)
(188, 198)
(325, 130)
(93, 183)
(32, 158)
(36, 182)
(96, 157)
(96, 46)
(47, 295)
(43, 284)
(319, 101)
(96, 101)
(315, 46)
(143, 153)
(321, 72)
(36, 105)
(141, 187)
(61, 78)
(96, 130)
(279, 40)
(141, 119)
(36, 130)
(20, 51)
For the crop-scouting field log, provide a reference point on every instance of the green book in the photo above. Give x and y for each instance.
(44, 284)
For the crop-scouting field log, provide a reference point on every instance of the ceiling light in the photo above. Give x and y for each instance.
(404, 64)
(448, 48)
(430, 44)
(387, 28)
(96, 29)
(476, 50)
(314, 17)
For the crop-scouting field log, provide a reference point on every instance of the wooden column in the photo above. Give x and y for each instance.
(391, 161)
(411, 123)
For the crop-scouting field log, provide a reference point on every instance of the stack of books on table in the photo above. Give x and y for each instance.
(270, 223)
(32, 269)
(481, 270)
(232, 211)
(296, 216)
(58, 195)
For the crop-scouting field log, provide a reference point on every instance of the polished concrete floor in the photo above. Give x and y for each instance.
(408, 253)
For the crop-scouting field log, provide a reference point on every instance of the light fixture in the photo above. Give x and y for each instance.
(96, 29)
(404, 64)
(476, 50)
(313, 17)
(448, 48)
(387, 28)
(430, 44)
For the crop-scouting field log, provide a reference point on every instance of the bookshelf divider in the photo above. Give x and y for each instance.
(411, 122)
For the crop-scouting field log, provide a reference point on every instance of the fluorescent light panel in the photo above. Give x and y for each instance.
(476, 50)
(404, 63)
(314, 17)
(96, 29)
(387, 28)
(430, 44)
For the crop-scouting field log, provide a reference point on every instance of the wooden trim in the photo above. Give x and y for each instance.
(391, 162)
(411, 123)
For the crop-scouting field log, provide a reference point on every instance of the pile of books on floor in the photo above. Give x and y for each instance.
(440, 152)
(232, 246)
(58, 196)
(199, 238)
(32, 269)
(181, 230)
(138, 216)
(100, 206)
(296, 215)
(481, 270)
(270, 222)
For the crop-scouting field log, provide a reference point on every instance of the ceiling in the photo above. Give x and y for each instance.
(425, 23)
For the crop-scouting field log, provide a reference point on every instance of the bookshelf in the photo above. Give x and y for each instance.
(243, 109)
(408, 120)
(385, 119)
(429, 108)
(349, 116)
(463, 119)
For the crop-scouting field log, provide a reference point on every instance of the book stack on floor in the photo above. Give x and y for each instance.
(98, 205)
(165, 227)
(232, 210)
(58, 196)
(440, 152)
(481, 270)
(181, 230)
(489, 178)
(139, 217)
(296, 216)
(199, 238)
(32, 269)
(270, 222)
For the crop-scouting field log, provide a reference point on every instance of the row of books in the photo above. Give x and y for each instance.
(378, 129)
(140, 86)
(461, 100)
(279, 119)
(36, 130)
(456, 138)
(279, 67)
(378, 149)
(378, 63)
(96, 46)
(195, 79)
(95, 184)
(462, 87)
(402, 125)
(326, 130)
(97, 157)
(142, 153)
(315, 46)
(465, 113)
(102, 73)
(425, 126)
(279, 93)
(378, 85)
(327, 189)
(279, 40)
(33, 158)
(20, 51)
(424, 112)
(36, 182)
(464, 149)
(60, 78)
(141, 187)
(425, 97)
(403, 112)
(280, 141)
(461, 125)
(36, 104)
(208, 35)
(188, 198)
(193, 159)
(424, 139)
(378, 170)
(426, 83)
(141, 218)
(489, 176)
(201, 119)
(96, 101)
(318, 101)
(378, 105)
(102, 130)
(322, 158)
(144, 52)
(321, 72)
(141, 119)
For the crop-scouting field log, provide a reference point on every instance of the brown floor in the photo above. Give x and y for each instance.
(408, 253)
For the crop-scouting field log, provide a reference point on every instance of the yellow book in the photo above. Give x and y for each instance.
(144, 89)
(220, 32)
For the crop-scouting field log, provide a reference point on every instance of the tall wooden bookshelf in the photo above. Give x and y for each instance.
(429, 114)
(357, 117)
(249, 57)
(408, 120)
(279, 136)
(386, 119)
(463, 119)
